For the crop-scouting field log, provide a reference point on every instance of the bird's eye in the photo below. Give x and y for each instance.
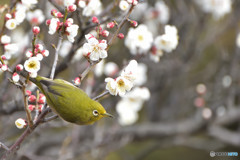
(95, 112)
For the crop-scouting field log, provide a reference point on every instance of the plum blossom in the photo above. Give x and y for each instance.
(130, 71)
(20, 14)
(36, 17)
(123, 5)
(218, 8)
(162, 10)
(20, 123)
(11, 24)
(94, 7)
(5, 39)
(139, 40)
(119, 86)
(29, 3)
(95, 49)
(168, 41)
(32, 65)
(53, 26)
(72, 31)
(131, 103)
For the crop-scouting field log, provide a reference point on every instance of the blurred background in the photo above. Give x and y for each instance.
(187, 104)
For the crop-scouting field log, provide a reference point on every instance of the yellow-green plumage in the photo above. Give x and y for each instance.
(70, 102)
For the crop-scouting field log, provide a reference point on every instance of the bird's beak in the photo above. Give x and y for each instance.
(107, 115)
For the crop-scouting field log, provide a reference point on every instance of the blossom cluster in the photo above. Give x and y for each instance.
(166, 42)
(124, 82)
(55, 25)
(18, 16)
(94, 49)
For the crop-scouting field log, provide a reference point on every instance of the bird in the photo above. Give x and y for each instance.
(70, 102)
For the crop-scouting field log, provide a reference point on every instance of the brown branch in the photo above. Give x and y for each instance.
(27, 132)
(101, 95)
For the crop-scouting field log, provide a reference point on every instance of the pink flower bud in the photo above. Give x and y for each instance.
(133, 2)
(40, 107)
(42, 98)
(35, 30)
(95, 20)
(105, 33)
(28, 92)
(29, 54)
(133, 23)
(54, 12)
(3, 57)
(77, 81)
(45, 53)
(120, 35)
(8, 16)
(39, 46)
(110, 25)
(19, 67)
(31, 107)
(60, 15)
(4, 67)
(71, 8)
(32, 98)
(48, 22)
(15, 77)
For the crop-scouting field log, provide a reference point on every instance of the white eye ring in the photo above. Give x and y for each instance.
(95, 113)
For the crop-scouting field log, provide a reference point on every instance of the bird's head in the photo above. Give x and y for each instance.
(97, 112)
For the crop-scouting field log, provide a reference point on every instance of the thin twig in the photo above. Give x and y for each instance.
(49, 118)
(29, 116)
(101, 95)
(61, 32)
(4, 146)
(56, 57)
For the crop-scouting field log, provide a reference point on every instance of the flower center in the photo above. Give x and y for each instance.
(95, 48)
(12, 24)
(140, 37)
(32, 65)
(121, 83)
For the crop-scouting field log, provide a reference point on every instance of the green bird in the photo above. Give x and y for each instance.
(70, 102)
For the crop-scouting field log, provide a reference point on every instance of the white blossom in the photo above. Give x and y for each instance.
(94, 7)
(11, 24)
(20, 123)
(5, 39)
(168, 41)
(36, 17)
(139, 40)
(119, 86)
(218, 8)
(110, 69)
(29, 3)
(130, 71)
(163, 12)
(32, 65)
(53, 25)
(123, 5)
(20, 14)
(72, 32)
(95, 48)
